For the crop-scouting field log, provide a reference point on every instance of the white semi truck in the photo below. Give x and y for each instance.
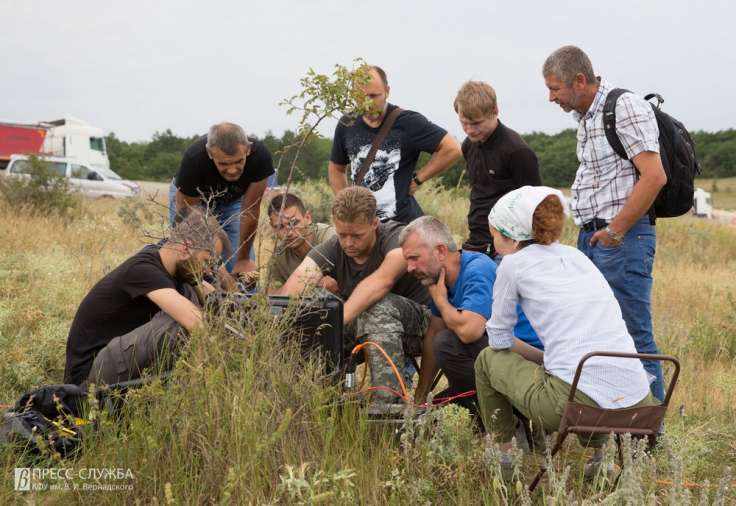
(67, 137)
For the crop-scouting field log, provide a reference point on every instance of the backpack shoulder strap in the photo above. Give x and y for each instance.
(388, 122)
(609, 121)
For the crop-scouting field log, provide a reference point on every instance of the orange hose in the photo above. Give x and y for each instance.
(686, 484)
(404, 391)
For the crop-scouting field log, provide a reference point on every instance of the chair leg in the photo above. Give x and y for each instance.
(560, 439)
(436, 380)
(527, 431)
(620, 458)
(414, 362)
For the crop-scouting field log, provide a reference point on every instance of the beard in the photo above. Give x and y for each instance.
(184, 273)
(427, 279)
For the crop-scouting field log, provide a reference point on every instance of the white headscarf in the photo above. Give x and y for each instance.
(512, 215)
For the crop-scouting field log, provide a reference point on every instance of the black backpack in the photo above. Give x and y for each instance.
(676, 148)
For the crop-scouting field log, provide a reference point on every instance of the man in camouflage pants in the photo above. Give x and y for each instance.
(383, 303)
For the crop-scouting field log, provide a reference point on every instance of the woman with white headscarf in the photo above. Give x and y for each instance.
(573, 310)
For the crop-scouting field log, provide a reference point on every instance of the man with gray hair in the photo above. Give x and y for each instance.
(612, 196)
(228, 172)
(461, 286)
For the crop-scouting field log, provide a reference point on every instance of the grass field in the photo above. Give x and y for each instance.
(239, 423)
(723, 191)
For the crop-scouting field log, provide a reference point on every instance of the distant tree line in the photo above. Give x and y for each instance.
(158, 159)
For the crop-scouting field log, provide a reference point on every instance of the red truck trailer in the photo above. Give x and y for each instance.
(20, 139)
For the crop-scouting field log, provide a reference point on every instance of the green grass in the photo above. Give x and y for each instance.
(241, 423)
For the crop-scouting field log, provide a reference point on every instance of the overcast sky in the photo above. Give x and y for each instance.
(134, 67)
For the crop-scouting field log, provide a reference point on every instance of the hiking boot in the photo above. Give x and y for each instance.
(381, 409)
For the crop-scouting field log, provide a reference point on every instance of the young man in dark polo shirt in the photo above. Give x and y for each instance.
(497, 158)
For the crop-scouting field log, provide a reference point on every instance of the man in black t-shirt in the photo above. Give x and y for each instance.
(383, 303)
(498, 160)
(391, 176)
(229, 172)
(150, 282)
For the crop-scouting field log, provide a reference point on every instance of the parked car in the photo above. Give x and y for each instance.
(90, 182)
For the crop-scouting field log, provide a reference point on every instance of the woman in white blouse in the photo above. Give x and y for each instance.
(572, 309)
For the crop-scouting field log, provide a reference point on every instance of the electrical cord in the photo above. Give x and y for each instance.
(404, 394)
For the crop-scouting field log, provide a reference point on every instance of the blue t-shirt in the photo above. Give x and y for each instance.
(473, 291)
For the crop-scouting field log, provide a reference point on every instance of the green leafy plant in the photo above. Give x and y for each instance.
(42, 191)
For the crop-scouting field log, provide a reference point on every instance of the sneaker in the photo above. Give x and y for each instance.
(507, 467)
(592, 467)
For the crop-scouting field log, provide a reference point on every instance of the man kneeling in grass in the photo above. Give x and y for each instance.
(461, 285)
(572, 308)
(295, 235)
(383, 303)
(135, 315)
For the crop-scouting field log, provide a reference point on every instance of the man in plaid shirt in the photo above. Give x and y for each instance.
(609, 203)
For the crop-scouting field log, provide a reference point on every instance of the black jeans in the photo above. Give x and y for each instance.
(456, 359)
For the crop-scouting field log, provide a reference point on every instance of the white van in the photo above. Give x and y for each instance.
(90, 182)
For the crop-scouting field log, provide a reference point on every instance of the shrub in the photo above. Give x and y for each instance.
(43, 192)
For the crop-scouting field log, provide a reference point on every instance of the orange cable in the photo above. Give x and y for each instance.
(686, 484)
(404, 391)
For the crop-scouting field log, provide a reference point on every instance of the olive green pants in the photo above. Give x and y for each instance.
(505, 380)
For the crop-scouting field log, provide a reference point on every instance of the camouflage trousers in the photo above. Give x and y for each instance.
(398, 325)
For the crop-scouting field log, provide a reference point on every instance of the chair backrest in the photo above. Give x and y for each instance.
(642, 421)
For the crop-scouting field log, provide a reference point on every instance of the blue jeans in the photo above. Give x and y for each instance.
(628, 270)
(227, 214)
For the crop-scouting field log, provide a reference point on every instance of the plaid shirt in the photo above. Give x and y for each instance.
(604, 180)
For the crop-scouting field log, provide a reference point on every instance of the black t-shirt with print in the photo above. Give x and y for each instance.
(333, 262)
(390, 174)
(116, 305)
(198, 174)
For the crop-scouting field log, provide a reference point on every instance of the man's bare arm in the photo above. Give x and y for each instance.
(307, 275)
(428, 368)
(177, 306)
(448, 152)
(468, 325)
(338, 178)
(652, 179)
(375, 286)
(183, 201)
(527, 351)
(250, 210)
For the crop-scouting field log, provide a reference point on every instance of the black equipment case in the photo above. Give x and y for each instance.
(318, 325)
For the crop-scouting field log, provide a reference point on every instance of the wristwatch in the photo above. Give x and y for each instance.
(416, 180)
(615, 237)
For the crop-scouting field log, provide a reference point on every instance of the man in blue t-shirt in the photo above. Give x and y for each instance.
(461, 286)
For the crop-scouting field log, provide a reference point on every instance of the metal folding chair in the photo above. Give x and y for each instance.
(580, 418)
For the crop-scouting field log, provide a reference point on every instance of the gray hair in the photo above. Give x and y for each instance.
(432, 232)
(566, 63)
(227, 137)
(199, 229)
